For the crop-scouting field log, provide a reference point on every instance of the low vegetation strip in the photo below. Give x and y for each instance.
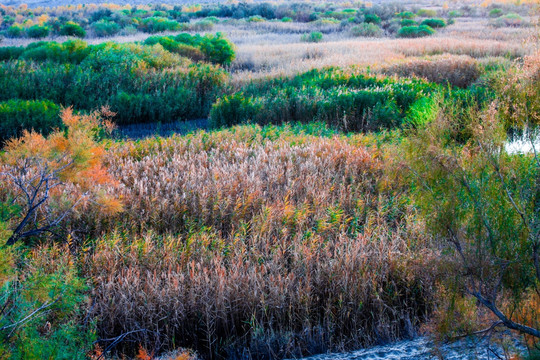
(340, 98)
(139, 82)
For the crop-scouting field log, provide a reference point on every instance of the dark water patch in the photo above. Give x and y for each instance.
(144, 130)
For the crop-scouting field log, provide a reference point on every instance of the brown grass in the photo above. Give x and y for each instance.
(285, 245)
(457, 70)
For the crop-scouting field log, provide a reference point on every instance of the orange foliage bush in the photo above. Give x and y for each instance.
(57, 178)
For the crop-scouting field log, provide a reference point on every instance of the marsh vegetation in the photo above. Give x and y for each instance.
(268, 180)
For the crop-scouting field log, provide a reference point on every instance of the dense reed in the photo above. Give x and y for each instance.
(284, 244)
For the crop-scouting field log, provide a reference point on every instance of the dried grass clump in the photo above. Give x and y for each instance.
(456, 70)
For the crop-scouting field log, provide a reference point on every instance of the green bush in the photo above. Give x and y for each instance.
(234, 109)
(454, 14)
(408, 22)
(37, 31)
(495, 13)
(313, 36)
(203, 25)
(142, 83)
(256, 18)
(286, 19)
(217, 49)
(18, 115)
(158, 24)
(72, 29)
(366, 30)
(104, 28)
(434, 23)
(426, 13)
(10, 52)
(46, 298)
(214, 48)
(511, 19)
(372, 19)
(406, 15)
(415, 31)
(15, 30)
(344, 101)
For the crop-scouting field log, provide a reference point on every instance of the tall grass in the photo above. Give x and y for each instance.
(261, 241)
(345, 100)
(142, 83)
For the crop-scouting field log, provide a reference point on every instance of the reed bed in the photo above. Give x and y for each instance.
(259, 242)
(260, 60)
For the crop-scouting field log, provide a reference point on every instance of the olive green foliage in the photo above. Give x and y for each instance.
(406, 15)
(214, 48)
(18, 115)
(15, 30)
(372, 19)
(350, 102)
(158, 24)
(511, 19)
(434, 23)
(483, 204)
(72, 29)
(37, 31)
(42, 298)
(408, 22)
(415, 31)
(426, 13)
(104, 28)
(313, 36)
(367, 30)
(494, 13)
(142, 83)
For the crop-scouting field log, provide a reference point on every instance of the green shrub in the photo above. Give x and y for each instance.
(434, 23)
(105, 28)
(212, 19)
(15, 30)
(37, 31)
(18, 115)
(203, 25)
(46, 298)
(313, 36)
(495, 13)
(234, 109)
(128, 77)
(426, 13)
(511, 19)
(286, 19)
(256, 18)
(406, 15)
(342, 100)
(454, 14)
(72, 29)
(415, 31)
(325, 21)
(158, 24)
(217, 49)
(10, 52)
(366, 30)
(213, 48)
(372, 19)
(408, 22)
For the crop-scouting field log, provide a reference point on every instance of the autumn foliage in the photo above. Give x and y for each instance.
(48, 181)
